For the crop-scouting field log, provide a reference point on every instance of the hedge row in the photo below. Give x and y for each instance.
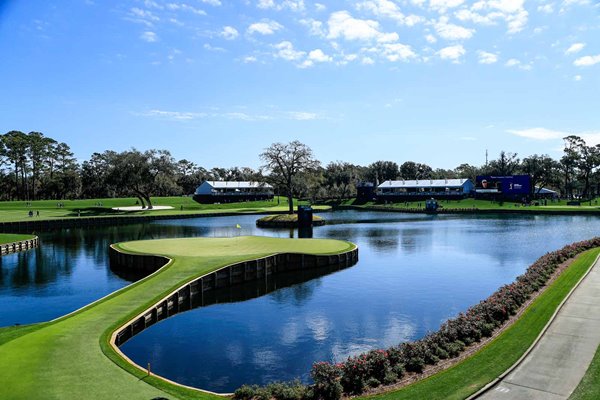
(385, 367)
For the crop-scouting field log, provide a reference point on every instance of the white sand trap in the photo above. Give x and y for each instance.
(139, 208)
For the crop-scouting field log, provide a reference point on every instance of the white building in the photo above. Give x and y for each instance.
(230, 191)
(438, 188)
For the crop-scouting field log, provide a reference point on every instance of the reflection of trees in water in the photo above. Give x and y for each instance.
(343, 233)
(36, 268)
(298, 294)
(61, 251)
(383, 239)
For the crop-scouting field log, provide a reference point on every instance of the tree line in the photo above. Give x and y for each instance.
(34, 166)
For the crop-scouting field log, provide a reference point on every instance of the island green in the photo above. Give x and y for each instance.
(71, 357)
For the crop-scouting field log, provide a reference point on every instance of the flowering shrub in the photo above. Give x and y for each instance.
(326, 379)
(481, 320)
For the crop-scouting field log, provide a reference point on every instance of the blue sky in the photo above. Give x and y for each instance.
(216, 81)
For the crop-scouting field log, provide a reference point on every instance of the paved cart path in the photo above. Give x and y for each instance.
(561, 358)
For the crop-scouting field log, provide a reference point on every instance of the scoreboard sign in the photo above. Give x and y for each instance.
(505, 185)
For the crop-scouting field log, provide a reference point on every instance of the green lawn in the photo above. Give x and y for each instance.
(561, 205)
(589, 387)
(10, 238)
(11, 211)
(469, 376)
(70, 358)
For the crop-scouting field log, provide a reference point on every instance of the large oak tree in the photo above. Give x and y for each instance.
(285, 162)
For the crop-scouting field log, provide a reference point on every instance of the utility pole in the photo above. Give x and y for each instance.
(486, 157)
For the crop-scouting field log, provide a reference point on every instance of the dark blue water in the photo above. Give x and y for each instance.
(414, 272)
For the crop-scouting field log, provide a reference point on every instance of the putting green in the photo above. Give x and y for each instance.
(70, 358)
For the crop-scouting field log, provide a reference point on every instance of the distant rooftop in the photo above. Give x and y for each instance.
(424, 183)
(237, 184)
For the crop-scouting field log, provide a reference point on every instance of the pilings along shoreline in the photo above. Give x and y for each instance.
(198, 291)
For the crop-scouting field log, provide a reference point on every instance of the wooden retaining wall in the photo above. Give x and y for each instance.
(16, 247)
(194, 292)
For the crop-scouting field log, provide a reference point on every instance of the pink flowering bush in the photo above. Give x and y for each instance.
(378, 367)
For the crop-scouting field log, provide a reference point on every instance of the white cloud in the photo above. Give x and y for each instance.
(320, 7)
(243, 116)
(302, 115)
(568, 3)
(577, 78)
(149, 36)
(488, 12)
(430, 38)
(286, 51)
(317, 55)
(343, 25)
(367, 61)
(249, 59)
(185, 7)
(480, 19)
(453, 53)
(389, 9)
(591, 138)
(575, 48)
(209, 47)
(315, 27)
(449, 31)
(538, 133)
(486, 57)
(212, 2)
(144, 14)
(229, 33)
(443, 5)
(587, 61)
(173, 115)
(398, 52)
(546, 8)
(293, 5)
(513, 62)
(388, 37)
(265, 27)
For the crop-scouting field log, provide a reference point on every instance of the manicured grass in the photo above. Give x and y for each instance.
(469, 376)
(10, 238)
(561, 205)
(589, 387)
(70, 358)
(285, 220)
(12, 211)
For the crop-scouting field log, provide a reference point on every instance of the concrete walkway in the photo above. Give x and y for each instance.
(558, 362)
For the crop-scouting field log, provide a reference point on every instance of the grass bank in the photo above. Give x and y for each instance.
(70, 358)
(589, 387)
(18, 211)
(467, 377)
(589, 207)
(10, 238)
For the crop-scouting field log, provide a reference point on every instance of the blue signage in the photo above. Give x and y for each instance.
(505, 185)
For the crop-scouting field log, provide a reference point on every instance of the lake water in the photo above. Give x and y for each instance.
(414, 272)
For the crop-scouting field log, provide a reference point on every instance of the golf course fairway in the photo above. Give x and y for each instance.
(72, 358)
